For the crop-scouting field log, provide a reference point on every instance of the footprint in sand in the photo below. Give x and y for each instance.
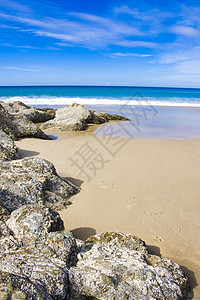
(149, 214)
(158, 238)
(131, 202)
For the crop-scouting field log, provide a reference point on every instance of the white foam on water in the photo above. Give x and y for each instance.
(45, 100)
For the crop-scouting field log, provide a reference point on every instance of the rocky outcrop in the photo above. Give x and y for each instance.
(8, 150)
(18, 126)
(32, 181)
(33, 114)
(36, 267)
(76, 117)
(118, 266)
(40, 260)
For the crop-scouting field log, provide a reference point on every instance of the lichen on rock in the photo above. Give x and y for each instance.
(37, 268)
(116, 266)
(8, 150)
(32, 181)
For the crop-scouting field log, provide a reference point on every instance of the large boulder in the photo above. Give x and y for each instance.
(117, 266)
(41, 263)
(76, 117)
(18, 126)
(8, 150)
(32, 181)
(33, 114)
(36, 265)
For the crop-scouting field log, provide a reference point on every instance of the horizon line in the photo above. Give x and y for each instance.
(92, 85)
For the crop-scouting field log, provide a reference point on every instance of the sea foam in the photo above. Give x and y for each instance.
(135, 101)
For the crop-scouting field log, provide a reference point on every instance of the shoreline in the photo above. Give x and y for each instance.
(149, 189)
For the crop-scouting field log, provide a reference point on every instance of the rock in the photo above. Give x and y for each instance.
(18, 126)
(11, 286)
(8, 242)
(33, 114)
(41, 227)
(8, 150)
(118, 266)
(31, 223)
(76, 117)
(32, 181)
(38, 267)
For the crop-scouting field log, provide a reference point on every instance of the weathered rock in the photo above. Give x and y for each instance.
(33, 114)
(8, 150)
(11, 286)
(8, 242)
(118, 266)
(31, 223)
(76, 117)
(38, 267)
(41, 227)
(17, 126)
(32, 181)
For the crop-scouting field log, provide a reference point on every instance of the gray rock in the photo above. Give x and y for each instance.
(40, 227)
(8, 242)
(33, 114)
(118, 266)
(11, 286)
(18, 126)
(38, 267)
(32, 181)
(76, 117)
(8, 150)
(31, 223)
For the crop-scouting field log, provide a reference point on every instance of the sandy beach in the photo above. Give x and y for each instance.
(148, 188)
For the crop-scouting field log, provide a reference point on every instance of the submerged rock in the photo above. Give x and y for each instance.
(8, 150)
(33, 114)
(32, 181)
(18, 126)
(118, 266)
(76, 117)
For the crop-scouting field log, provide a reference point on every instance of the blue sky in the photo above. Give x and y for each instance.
(142, 43)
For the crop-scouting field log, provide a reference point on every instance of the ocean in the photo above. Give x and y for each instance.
(154, 112)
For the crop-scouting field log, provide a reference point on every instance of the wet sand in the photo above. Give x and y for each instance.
(149, 188)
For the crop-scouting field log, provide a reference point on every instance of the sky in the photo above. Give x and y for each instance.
(137, 43)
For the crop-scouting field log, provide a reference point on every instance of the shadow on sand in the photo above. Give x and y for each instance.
(83, 233)
(26, 153)
(75, 181)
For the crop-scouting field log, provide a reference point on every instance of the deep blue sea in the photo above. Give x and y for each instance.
(154, 112)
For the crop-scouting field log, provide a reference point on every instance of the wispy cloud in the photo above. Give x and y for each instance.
(85, 30)
(132, 44)
(189, 67)
(127, 54)
(19, 46)
(185, 30)
(14, 5)
(20, 69)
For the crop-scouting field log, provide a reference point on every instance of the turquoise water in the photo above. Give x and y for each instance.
(154, 112)
(110, 96)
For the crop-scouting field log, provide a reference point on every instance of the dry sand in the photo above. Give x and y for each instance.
(149, 188)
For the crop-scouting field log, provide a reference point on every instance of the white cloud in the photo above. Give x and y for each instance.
(184, 30)
(132, 44)
(20, 69)
(118, 54)
(189, 67)
(91, 32)
(14, 5)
